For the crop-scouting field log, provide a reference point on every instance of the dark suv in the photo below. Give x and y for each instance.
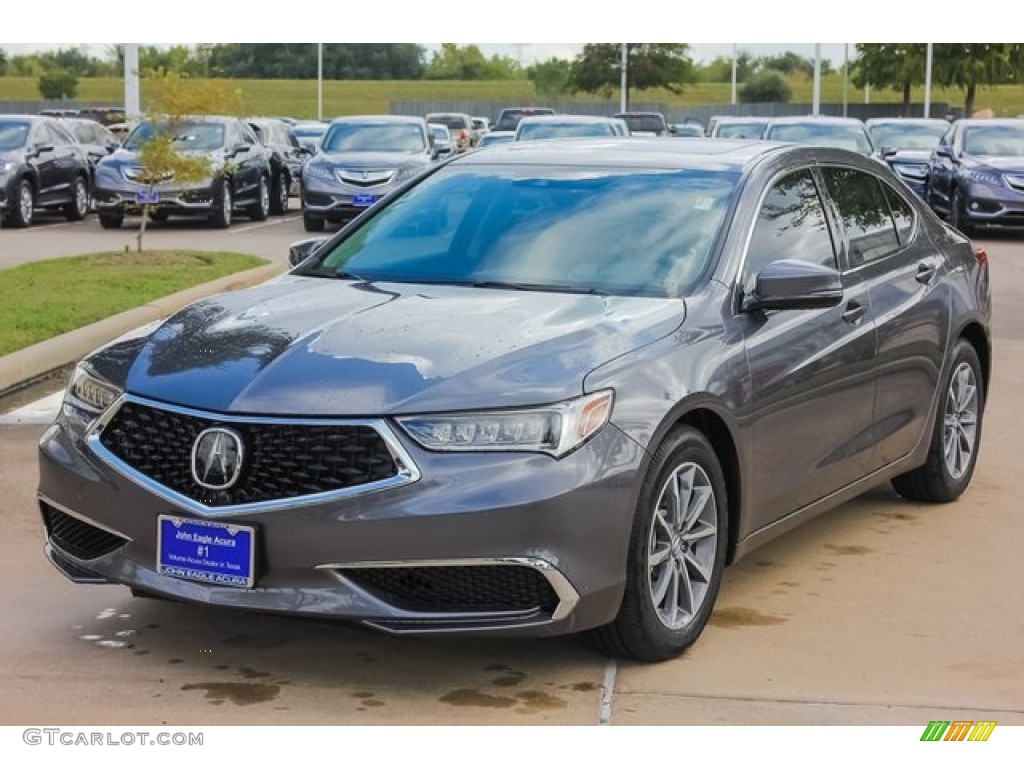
(239, 175)
(509, 118)
(360, 160)
(285, 155)
(41, 166)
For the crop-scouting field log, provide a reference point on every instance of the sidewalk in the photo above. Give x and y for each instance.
(31, 362)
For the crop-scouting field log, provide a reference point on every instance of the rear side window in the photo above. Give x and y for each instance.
(869, 229)
(790, 225)
(902, 214)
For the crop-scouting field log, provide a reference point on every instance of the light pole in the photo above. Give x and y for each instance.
(816, 106)
(132, 106)
(846, 72)
(928, 81)
(624, 84)
(319, 81)
(733, 102)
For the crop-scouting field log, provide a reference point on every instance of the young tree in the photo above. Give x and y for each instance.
(598, 68)
(550, 77)
(58, 84)
(766, 85)
(175, 99)
(973, 65)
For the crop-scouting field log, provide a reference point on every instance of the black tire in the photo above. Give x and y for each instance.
(220, 218)
(23, 206)
(642, 630)
(111, 220)
(313, 223)
(279, 195)
(937, 481)
(260, 210)
(958, 214)
(77, 209)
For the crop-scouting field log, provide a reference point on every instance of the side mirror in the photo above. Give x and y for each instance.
(673, 130)
(302, 250)
(887, 151)
(238, 149)
(38, 149)
(944, 151)
(112, 147)
(789, 284)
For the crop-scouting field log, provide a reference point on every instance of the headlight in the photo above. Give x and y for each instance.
(6, 167)
(319, 172)
(911, 170)
(552, 429)
(408, 173)
(89, 393)
(983, 177)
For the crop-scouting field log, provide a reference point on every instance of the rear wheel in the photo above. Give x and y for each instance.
(956, 435)
(111, 220)
(312, 223)
(79, 205)
(676, 553)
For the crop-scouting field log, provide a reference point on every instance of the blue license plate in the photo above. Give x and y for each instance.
(143, 196)
(363, 201)
(203, 550)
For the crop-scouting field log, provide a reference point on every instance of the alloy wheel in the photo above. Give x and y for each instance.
(25, 203)
(682, 545)
(960, 426)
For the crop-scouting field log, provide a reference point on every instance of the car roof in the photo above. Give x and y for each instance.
(410, 119)
(796, 120)
(905, 121)
(972, 121)
(567, 119)
(626, 152)
(719, 119)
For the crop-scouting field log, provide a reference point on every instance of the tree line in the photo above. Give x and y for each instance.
(596, 69)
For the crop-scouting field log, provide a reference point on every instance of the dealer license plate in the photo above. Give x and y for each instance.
(204, 550)
(363, 201)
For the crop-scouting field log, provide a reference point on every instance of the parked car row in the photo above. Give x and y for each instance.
(72, 164)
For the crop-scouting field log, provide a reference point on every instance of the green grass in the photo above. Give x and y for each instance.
(47, 298)
(348, 97)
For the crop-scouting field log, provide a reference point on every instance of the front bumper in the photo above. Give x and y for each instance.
(336, 200)
(994, 205)
(558, 527)
(199, 200)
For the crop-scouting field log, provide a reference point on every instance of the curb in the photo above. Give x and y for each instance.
(25, 365)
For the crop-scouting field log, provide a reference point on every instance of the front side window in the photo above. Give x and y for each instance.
(790, 225)
(1003, 140)
(590, 230)
(870, 233)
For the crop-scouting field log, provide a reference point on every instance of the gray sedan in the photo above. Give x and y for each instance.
(551, 387)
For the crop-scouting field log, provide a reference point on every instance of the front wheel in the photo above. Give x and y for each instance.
(259, 210)
(676, 553)
(279, 196)
(77, 209)
(958, 214)
(24, 206)
(312, 223)
(223, 207)
(956, 435)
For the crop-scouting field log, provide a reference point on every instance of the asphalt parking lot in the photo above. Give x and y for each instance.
(880, 612)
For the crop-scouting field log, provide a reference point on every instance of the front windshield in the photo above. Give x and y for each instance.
(496, 138)
(823, 135)
(644, 123)
(13, 135)
(190, 135)
(1006, 140)
(529, 131)
(908, 135)
(309, 131)
(374, 137)
(617, 231)
(740, 130)
(440, 133)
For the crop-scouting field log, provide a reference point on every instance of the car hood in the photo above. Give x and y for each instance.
(1010, 163)
(370, 159)
(12, 155)
(315, 346)
(122, 156)
(909, 156)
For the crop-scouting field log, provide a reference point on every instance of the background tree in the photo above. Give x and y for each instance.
(174, 99)
(342, 61)
(766, 85)
(3, 63)
(453, 62)
(58, 84)
(972, 65)
(598, 68)
(551, 77)
(719, 70)
(899, 66)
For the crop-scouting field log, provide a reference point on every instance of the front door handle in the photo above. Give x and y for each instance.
(925, 273)
(854, 312)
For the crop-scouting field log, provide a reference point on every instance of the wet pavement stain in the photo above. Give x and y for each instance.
(497, 668)
(896, 515)
(467, 697)
(222, 667)
(152, 626)
(764, 563)
(848, 549)
(509, 680)
(584, 687)
(532, 702)
(789, 583)
(743, 617)
(242, 694)
(255, 641)
(372, 703)
(249, 673)
(176, 661)
(362, 695)
(141, 653)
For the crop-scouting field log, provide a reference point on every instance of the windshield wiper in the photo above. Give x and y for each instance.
(547, 287)
(342, 275)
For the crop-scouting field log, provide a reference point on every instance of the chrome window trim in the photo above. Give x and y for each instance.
(567, 595)
(407, 473)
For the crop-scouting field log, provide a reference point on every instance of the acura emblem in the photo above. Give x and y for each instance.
(217, 458)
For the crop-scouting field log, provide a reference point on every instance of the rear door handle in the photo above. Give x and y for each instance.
(925, 273)
(854, 312)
